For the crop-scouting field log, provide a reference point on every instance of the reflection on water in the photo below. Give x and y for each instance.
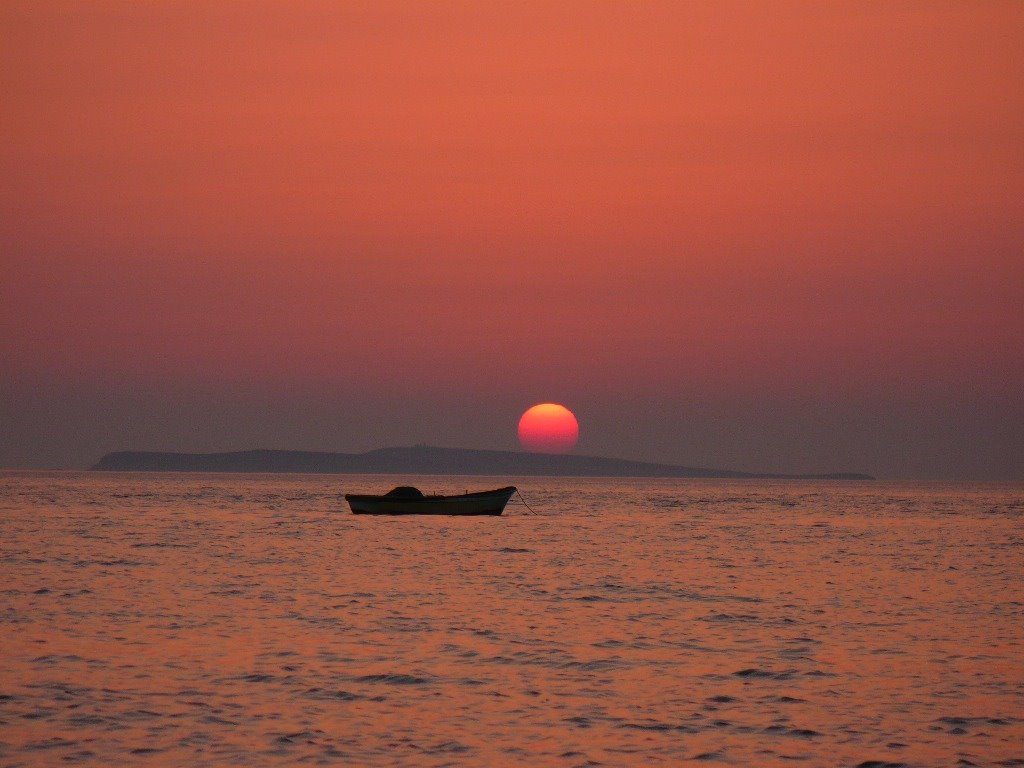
(231, 620)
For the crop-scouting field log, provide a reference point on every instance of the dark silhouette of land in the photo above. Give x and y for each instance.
(423, 460)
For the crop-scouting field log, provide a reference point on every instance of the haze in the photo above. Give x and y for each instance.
(746, 235)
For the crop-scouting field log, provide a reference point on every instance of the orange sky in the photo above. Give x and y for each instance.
(449, 203)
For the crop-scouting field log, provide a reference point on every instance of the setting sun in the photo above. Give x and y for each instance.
(548, 428)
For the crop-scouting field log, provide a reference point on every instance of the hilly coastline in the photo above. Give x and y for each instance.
(423, 460)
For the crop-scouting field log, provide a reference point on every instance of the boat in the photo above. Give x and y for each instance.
(406, 500)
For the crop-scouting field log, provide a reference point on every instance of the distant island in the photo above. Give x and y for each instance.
(423, 460)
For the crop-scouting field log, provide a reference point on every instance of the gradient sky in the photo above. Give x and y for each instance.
(752, 235)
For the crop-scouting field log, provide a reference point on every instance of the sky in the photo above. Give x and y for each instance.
(751, 235)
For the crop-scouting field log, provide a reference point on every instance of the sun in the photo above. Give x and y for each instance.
(548, 428)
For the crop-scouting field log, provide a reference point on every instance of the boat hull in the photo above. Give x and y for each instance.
(465, 505)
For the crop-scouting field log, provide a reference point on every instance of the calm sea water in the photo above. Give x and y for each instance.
(251, 620)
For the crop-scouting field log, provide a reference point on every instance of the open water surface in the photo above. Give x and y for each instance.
(161, 619)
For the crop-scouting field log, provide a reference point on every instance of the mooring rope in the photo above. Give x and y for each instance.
(519, 493)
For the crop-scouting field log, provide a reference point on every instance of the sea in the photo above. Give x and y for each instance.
(250, 620)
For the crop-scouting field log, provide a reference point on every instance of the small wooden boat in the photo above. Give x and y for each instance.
(406, 500)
